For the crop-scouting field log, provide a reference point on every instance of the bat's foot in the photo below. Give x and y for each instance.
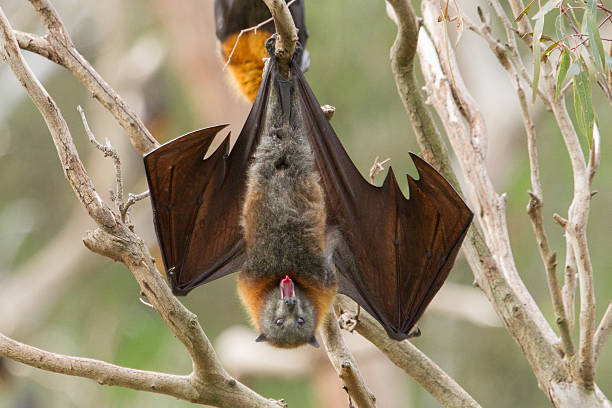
(348, 321)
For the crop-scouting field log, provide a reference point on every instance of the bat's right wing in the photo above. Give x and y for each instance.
(393, 253)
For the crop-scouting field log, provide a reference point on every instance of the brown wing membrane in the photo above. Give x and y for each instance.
(394, 253)
(197, 202)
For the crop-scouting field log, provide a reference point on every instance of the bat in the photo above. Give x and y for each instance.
(287, 208)
(245, 52)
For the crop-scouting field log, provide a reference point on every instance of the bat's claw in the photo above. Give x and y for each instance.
(349, 322)
(415, 332)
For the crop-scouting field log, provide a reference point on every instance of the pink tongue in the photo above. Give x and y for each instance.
(286, 287)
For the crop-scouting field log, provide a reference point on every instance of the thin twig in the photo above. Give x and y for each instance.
(603, 331)
(108, 151)
(377, 167)
(549, 258)
(286, 34)
(59, 48)
(132, 199)
(570, 280)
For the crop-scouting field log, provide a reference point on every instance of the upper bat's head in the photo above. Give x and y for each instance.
(289, 318)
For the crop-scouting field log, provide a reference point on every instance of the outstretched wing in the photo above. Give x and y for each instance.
(197, 202)
(394, 253)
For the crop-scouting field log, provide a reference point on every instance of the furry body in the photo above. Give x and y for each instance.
(284, 224)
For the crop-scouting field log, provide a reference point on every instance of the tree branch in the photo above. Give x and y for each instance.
(344, 363)
(534, 206)
(182, 387)
(115, 240)
(287, 34)
(410, 359)
(575, 233)
(58, 47)
(402, 65)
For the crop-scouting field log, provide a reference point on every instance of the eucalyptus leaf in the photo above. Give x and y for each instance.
(583, 105)
(551, 4)
(573, 70)
(563, 68)
(537, 33)
(593, 31)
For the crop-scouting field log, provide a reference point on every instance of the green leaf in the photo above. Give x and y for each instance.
(537, 33)
(573, 70)
(563, 67)
(560, 26)
(593, 31)
(522, 13)
(551, 4)
(583, 104)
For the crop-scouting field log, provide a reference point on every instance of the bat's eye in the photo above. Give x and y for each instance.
(300, 321)
(280, 321)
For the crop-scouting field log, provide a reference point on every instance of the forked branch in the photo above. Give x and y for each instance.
(114, 239)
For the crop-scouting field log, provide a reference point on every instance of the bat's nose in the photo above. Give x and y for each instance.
(290, 302)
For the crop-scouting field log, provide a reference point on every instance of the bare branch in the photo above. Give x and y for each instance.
(570, 280)
(116, 241)
(103, 373)
(132, 199)
(549, 257)
(71, 164)
(36, 44)
(344, 363)
(287, 33)
(410, 359)
(402, 64)
(575, 233)
(377, 167)
(108, 151)
(603, 331)
(60, 49)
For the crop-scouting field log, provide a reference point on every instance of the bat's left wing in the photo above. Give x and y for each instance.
(197, 202)
(393, 253)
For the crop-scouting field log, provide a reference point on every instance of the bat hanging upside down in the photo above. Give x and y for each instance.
(288, 209)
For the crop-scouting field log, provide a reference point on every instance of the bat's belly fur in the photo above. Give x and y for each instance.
(284, 218)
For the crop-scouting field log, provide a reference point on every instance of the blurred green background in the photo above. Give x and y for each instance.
(161, 57)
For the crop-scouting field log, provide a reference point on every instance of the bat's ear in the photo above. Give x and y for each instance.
(260, 338)
(313, 342)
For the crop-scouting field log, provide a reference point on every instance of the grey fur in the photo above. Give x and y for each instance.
(289, 333)
(284, 219)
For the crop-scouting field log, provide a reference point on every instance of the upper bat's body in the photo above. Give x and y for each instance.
(287, 207)
(246, 52)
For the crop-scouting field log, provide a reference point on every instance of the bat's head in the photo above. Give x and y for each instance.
(289, 317)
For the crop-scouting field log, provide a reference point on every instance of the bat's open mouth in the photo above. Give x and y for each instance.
(286, 288)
